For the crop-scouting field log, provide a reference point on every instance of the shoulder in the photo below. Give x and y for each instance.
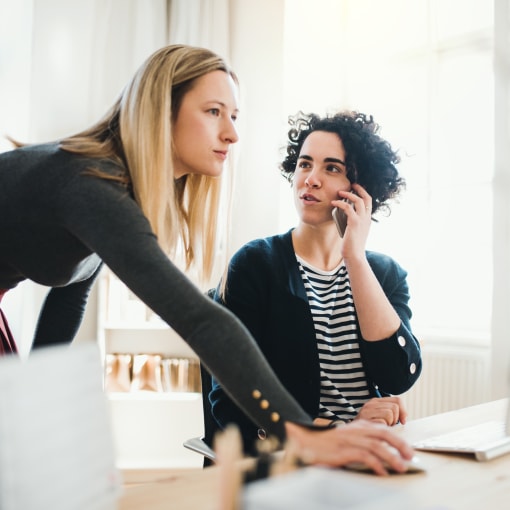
(385, 266)
(265, 248)
(53, 159)
(263, 257)
(89, 165)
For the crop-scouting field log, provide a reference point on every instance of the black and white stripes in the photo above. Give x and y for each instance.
(344, 387)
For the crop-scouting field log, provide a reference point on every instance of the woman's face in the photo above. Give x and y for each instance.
(320, 173)
(205, 126)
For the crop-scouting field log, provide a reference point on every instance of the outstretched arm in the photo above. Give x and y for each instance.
(125, 242)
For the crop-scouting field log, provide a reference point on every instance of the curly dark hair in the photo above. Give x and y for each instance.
(370, 160)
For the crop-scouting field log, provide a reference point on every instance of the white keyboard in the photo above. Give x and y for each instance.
(486, 441)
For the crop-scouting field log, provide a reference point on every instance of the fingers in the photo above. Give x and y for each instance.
(388, 410)
(322, 421)
(381, 458)
(381, 433)
(363, 442)
(380, 449)
(398, 447)
(402, 417)
(361, 200)
(360, 191)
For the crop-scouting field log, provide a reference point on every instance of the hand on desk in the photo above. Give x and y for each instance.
(386, 410)
(372, 444)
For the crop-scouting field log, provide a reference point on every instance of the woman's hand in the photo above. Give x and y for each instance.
(372, 444)
(385, 410)
(359, 219)
(376, 315)
(322, 422)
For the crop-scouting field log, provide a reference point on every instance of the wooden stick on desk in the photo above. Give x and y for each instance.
(229, 454)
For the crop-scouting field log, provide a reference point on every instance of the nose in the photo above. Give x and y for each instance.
(312, 181)
(230, 133)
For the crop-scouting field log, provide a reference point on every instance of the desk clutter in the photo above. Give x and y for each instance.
(56, 444)
(151, 372)
(451, 482)
(279, 479)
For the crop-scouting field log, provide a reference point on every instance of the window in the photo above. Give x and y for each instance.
(424, 69)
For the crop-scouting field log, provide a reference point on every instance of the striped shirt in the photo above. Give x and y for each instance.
(344, 387)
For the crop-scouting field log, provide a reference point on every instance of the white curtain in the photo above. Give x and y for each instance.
(203, 23)
(501, 218)
(62, 64)
(83, 53)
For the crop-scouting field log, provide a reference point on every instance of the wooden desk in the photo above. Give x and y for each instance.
(452, 482)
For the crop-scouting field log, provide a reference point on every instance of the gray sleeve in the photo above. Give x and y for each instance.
(119, 233)
(62, 313)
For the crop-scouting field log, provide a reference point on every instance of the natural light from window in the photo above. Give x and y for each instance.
(424, 69)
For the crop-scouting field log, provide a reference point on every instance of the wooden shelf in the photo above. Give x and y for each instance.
(149, 427)
(134, 340)
(156, 396)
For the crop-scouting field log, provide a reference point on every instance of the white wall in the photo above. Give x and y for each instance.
(257, 57)
(500, 332)
(63, 63)
(257, 54)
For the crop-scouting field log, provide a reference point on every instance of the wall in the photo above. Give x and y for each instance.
(500, 367)
(257, 57)
(255, 26)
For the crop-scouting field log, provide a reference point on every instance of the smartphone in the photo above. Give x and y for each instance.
(340, 218)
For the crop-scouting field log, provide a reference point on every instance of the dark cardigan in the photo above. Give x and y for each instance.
(265, 290)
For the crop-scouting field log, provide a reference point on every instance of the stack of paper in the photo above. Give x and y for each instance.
(56, 445)
(325, 489)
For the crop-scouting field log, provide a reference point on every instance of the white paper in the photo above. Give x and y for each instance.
(56, 445)
(316, 488)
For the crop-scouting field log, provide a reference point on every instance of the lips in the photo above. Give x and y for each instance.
(307, 197)
(221, 154)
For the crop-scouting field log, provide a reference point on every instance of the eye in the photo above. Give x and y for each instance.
(335, 169)
(303, 164)
(214, 111)
(233, 117)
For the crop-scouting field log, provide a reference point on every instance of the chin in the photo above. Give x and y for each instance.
(216, 172)
(208, 172)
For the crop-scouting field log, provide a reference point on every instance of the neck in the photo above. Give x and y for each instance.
(320, 247)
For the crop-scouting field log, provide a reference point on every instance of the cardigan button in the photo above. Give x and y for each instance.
(275, 417)
(412, 368)
(256, 394)
(264, 404)
(401, 341)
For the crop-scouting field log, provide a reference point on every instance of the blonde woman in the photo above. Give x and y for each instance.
(126, 192)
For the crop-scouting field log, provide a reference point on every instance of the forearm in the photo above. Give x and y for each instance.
(225, 347)
(376, 316)
(62, 313)
(245, 375)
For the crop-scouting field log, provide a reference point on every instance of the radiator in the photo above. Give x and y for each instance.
(452, 377)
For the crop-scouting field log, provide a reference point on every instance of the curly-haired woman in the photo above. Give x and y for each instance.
(331, 317)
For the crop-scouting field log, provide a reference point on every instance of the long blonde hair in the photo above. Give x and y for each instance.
(137, 132)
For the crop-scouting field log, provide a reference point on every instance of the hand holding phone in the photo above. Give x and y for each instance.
(340, 218)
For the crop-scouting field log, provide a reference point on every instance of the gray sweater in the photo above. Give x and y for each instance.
(58, 225)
